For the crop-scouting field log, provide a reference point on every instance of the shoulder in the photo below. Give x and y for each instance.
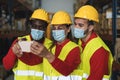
(101, 52)
(47, 42)
(72, 44)
(75, 47)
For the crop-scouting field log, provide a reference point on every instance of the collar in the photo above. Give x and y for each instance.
(63, 43)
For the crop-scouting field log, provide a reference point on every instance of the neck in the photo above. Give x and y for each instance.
(41, 40)
(61, 42)
(87, 37)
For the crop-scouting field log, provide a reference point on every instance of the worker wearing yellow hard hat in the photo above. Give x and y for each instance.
(96, 57)
(64, 55)
(88, 12)
(25, 64)
(40, 14)
(61, 17)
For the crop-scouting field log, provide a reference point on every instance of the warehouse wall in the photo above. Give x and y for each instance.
(55, 5)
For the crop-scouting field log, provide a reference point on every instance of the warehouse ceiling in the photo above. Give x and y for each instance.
(99, 3)
(23, 5)
(17, 3)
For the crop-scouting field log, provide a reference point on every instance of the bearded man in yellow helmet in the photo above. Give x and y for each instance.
(25, 64)
(96, 58)
(64, 55)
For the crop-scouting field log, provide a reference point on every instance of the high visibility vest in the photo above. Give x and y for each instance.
(23, 71)
(90, 48)
(51, 74)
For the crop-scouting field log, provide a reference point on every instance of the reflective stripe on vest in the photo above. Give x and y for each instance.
(85, 65)
(105, 79)
(85, 75)
(70, 77)
(77, 74)
(28, 73)
(51, 73)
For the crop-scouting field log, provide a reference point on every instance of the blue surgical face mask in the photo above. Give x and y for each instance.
(58, 35)
(78, 33)
(37, 34)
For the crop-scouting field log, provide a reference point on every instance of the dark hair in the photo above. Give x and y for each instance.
(90, 22)
(41, 21)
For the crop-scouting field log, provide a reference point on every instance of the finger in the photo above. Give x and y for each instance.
(33, 50)
(34, 47)
(36, 44)
(36, 51)
(20, 54)
(17, 46)
(16, 49)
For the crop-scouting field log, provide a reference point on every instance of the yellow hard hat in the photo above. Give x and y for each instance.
(87, 12)
(61, 17)
(40, 14)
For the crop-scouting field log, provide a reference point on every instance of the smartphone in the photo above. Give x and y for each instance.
(25, 45)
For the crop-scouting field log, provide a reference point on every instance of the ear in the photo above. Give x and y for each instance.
(91, 27)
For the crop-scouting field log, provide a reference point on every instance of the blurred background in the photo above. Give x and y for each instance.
(15, 13)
